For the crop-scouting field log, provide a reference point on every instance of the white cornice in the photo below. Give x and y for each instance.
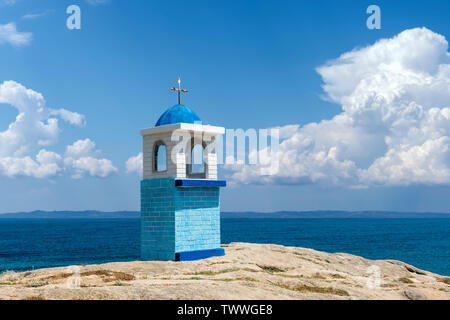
(187, 127)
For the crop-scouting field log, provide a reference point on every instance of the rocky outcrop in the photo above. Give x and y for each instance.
(247, 271)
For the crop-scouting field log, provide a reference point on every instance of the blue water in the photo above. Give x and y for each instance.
(32, 244)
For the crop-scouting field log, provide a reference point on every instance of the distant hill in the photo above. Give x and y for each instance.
(334, 214)
(91, 214)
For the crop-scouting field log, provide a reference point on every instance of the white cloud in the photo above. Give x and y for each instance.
(47, 165)
(9, 34)
(30, 16)
(101, 168)
(97, 2)
(394, 127)
(69, 116)
(135, 164)
(48, 157)
(81, 148)
(35, 127)
(426, 164)
(81, 159)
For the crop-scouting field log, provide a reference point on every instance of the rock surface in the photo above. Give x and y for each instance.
(247, 271)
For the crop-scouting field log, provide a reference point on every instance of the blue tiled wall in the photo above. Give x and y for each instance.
(177, 219)
(197, 218)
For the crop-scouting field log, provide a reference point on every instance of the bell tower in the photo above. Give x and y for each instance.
(180, 190)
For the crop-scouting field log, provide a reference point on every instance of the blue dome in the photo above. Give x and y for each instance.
(177, 114)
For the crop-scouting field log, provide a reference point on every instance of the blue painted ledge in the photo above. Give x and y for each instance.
(200, 183)
(199, 254)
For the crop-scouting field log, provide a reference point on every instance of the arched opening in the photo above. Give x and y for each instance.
(159, 157)
(198, 160)
(195, 164)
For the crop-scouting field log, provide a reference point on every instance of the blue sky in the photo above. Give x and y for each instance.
(247, 64)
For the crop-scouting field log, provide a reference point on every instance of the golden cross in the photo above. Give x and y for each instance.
(179, 90)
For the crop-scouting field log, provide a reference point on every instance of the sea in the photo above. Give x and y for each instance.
(27, 244)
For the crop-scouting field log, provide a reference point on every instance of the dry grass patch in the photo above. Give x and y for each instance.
(58, 276)
(37, 284)
(389, 285)
(224, 279)
(291, 276)
(248, 279)
(444, 280)
(194, 278)
(271, 269)
(206, 273)
(313, 289)
(237, 279)
(250, 270)
(219, 262)
(106, 275)
(119, 284)
(39, 297)
(405, 280)
(110, 276)
(213, 273)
